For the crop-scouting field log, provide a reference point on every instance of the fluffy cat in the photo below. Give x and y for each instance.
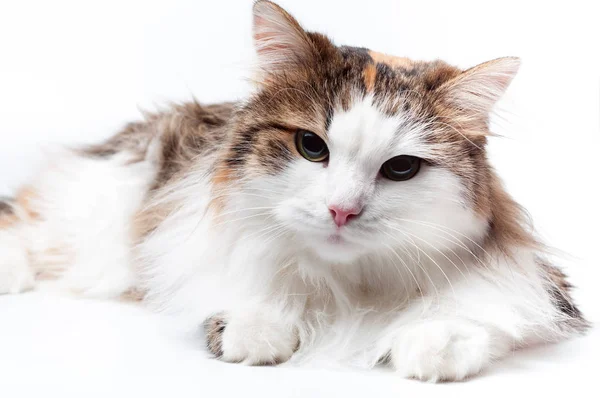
(345, 211)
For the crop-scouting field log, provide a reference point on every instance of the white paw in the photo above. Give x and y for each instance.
(15, 273)
(441, 350)
(251, 338)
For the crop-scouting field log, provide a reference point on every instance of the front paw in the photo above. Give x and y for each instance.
(250, 338)
(441, 350)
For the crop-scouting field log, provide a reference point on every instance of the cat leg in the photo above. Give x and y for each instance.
(254, 335)
(484, 315)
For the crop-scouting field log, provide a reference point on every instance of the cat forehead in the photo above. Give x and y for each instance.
(364, 129)
(384, 114)
(385, 74)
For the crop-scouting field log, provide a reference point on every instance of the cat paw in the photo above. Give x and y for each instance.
(15, 273)
(252, 339)
(442, 350)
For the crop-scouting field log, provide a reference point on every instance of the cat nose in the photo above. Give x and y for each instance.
(341, 216)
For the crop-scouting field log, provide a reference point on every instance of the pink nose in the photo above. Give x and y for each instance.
(342, 216)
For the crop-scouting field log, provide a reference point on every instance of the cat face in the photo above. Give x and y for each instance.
(360, 151)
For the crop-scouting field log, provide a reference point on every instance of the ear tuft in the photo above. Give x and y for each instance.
(279, 39)
(479, 88)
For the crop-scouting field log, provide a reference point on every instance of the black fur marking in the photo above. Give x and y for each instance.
(245, 146)
(5, 206)
(214, 327)
(328, 117)
(277, 156)
(360, 52)
(563, 303)
(242, 148)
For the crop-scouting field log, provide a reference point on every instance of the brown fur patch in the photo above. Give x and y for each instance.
(186, 133)
(509, 223)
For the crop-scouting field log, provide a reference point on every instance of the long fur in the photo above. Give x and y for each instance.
(211, 214)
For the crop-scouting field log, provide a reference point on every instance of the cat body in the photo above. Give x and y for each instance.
(345, 212)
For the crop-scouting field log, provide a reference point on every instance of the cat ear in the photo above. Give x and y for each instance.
(476, 90)
(279, 39)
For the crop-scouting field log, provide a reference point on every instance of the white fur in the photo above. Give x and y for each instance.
(16, 275)
(83, 232)
(355, 300)
(406, 280)
(440, 349)
(258, 335)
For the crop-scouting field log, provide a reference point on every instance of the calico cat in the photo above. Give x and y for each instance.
(345, 211)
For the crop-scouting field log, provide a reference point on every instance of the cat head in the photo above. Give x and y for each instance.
(355, 151)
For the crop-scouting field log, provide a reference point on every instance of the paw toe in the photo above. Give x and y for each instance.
(441, 351)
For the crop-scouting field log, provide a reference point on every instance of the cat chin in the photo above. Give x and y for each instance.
(336, 250)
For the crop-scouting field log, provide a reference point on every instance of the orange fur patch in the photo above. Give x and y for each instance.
(133, 294)
(220, 180)
(369, 75)
(52, 262)
(390, 60)
(25, 200)
(8, 221)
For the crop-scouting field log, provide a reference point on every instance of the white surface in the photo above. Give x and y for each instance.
(73, 72)
(66, 347)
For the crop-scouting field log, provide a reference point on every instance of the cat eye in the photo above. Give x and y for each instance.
(311, 146)
(401, 168)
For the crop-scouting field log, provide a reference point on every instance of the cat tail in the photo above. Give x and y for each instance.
(71, 228)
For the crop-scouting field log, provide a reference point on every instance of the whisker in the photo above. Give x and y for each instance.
(420, 266)
(436, 249)
(241, 219)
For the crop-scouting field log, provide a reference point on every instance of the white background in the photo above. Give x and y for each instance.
(74, 71)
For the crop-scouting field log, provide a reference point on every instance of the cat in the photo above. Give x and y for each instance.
(346, 211)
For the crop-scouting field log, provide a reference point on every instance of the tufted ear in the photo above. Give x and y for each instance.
(476, 90)
(279, 39)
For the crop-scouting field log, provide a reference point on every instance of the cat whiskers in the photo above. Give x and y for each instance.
(433, 261)
(418, 263)
(421, 292)
(275, 228)
(434, 248)
(445, 229)
(242, 218)
(442, 228)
